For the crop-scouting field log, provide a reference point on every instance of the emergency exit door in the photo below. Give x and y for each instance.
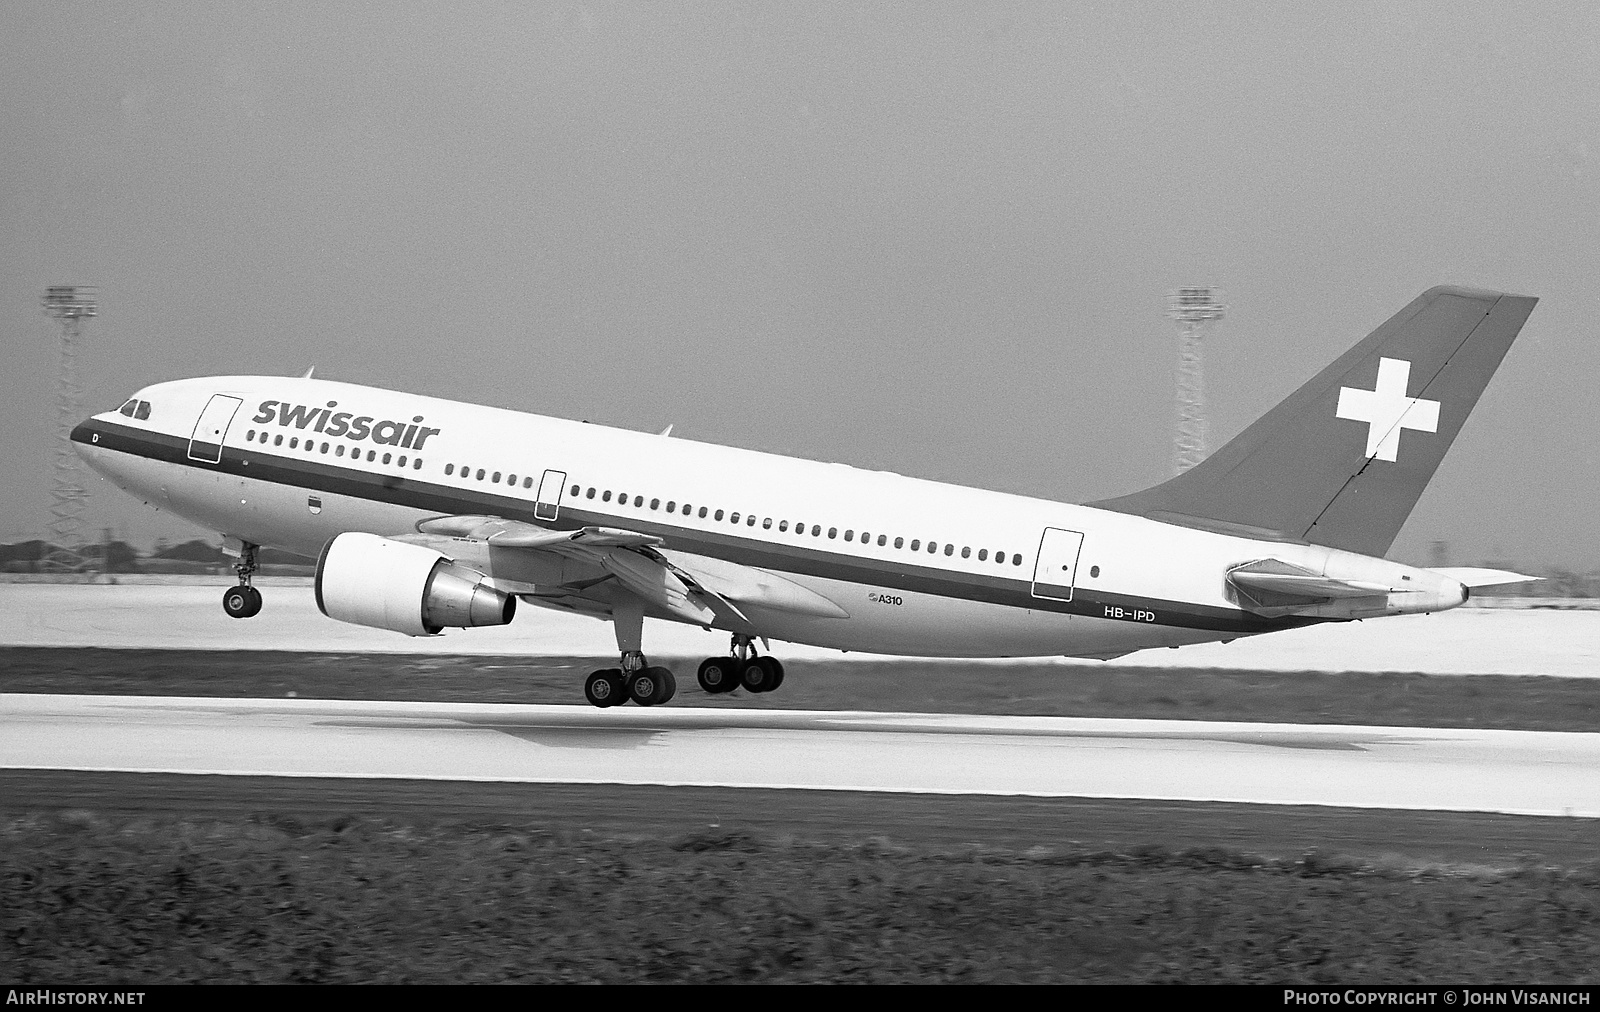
(1057, 569)
(205, 443)
(548, 504)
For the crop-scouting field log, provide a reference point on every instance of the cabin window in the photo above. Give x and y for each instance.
(1016, 560)
(983, 555)
(574, 488)
(949, 549)
(833, 532)
(294, 444)
(527, 482)
(916, 544)
(605, 496)
(881, 540)
(702, 513)
(402, 460)
(933, 547)
(1094, 570)
(638, 500)
(816, 530)
(766, 523)
(672, 505)
(338, 451)
(386, 458)
(416, 465)
(849, 535)
(589, 494)
(717, 515)
(750, 521)
(449, 469)
(655, 503)
(511, 479)
(899, 542)
(783, 526)
(733, 518)
(325, 450)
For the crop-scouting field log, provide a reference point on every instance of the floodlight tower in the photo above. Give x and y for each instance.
(1192, 308)
(70, 305)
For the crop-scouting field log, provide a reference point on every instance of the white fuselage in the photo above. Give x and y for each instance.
(302, 460)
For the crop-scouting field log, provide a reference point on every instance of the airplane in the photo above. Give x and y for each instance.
(426, 514)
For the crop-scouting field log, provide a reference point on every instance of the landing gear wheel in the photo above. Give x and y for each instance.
(776, 667)
(605, 688)
(241, 602)
(719, 674)
(761, 674)
(651, 686)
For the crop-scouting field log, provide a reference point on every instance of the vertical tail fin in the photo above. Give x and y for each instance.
(1342, 461)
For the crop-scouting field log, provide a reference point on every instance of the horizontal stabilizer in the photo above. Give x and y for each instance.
(1474, 577)
(1276, 577)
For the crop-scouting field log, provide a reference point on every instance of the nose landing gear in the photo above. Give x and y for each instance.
(244, 601)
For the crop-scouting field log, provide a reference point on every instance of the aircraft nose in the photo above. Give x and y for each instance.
(84, 436)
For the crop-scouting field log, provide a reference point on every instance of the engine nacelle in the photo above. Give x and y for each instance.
(387, 584)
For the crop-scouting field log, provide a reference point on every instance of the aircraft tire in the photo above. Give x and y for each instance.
(718, 674)
(776, 666)
(238, 601)
(605, 688)
(756, 675)
(651, 686)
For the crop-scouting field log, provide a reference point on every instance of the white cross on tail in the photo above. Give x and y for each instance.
(1387, 410)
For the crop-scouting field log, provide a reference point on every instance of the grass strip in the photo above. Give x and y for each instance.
(158, 900)
(1393, 699)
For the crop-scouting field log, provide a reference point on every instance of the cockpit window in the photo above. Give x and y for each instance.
(142, 411)
(130, 407)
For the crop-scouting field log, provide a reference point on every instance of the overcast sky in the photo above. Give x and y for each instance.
(934, 239)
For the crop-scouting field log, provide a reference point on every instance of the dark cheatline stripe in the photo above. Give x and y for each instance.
(415, 493)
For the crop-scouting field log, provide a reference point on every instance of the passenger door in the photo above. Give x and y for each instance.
(1057, 569)
(205, 443)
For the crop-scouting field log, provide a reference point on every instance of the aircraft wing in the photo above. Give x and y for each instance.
(692, 587)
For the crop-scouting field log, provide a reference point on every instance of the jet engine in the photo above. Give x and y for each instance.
(388, 584)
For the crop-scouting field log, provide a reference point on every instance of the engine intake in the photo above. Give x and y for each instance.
(385, 584)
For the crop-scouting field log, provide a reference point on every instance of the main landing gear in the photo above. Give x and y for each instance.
(649, 685)
(744, 668)
(643, 683)
(244, 601)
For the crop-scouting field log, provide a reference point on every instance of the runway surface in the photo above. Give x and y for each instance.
(1466, 641)
(1514, 772)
